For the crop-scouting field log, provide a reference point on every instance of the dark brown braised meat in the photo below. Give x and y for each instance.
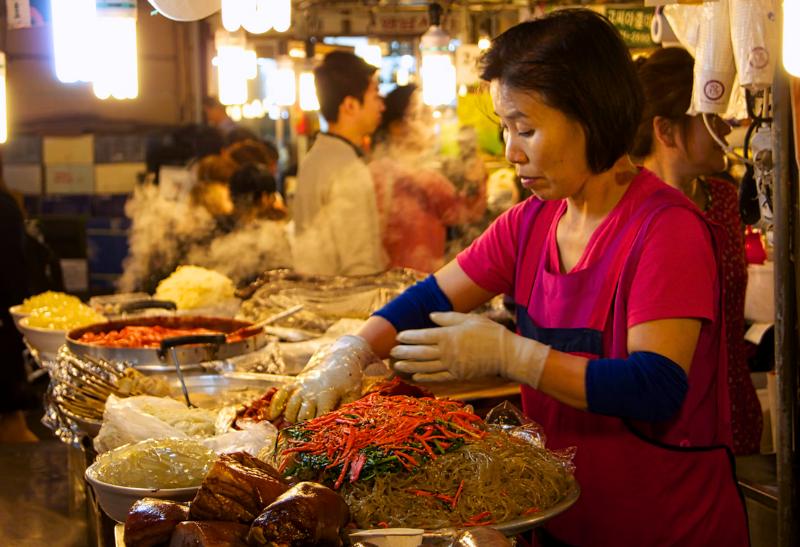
(151, 521)
(209, 533)
(237, 489)
(307, 514)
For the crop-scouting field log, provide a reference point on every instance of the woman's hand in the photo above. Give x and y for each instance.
(466, 347)
(332, 376)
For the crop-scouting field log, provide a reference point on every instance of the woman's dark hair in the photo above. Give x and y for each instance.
(342, 74)
(577, 63)
(667, 77)
(250, 182)
(252, 151)
(396, 104)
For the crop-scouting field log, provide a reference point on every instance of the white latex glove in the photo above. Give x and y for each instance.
(466, 347)
(332, 375)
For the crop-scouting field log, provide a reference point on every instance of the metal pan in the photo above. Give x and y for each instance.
(153, 359)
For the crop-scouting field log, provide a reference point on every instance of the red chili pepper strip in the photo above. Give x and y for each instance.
(531, 511)
(458, 493)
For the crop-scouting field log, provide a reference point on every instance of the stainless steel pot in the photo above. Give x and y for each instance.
(201, 348)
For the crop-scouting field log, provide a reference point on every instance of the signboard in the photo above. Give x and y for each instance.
(633, 24)
(18, 13)
(331, 22)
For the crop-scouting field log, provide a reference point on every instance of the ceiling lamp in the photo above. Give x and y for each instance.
(115, 68)
(437, 71)
(186, 10)
(72, 43)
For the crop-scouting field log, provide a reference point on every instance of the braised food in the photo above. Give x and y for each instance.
(151, 521)
(209, 534)
(237, 488)
(307, 514)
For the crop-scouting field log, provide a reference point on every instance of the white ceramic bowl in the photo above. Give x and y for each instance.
(116, 501)
(390, 537)
(42, 340)
(17, 314)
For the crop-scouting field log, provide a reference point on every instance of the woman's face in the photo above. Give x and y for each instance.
(703, 156)
(547, 148)
(216, 198)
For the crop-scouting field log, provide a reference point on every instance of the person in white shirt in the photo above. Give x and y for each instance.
(337, 231)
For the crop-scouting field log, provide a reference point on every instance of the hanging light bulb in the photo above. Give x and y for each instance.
(282, 15)
(235, 65)
(438, 71)
(259, 19)
(484, 43)
(234, 12)
(3, 98)
(284, 89)
(116, 67)
(791, 37)
(72, 39)
(255, 16)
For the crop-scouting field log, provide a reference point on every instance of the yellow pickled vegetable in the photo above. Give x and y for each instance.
(193, 287)
(49, 299)
(66, 317)
(156, 463)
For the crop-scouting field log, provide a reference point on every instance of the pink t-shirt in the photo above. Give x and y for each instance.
(676, 275)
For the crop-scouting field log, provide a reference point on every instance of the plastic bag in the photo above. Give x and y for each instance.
(253, 438)
(511, 420)
(135, 419)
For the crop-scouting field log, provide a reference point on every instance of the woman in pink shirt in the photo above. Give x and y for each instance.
(679, 149)
(416, 202)
(619, 348)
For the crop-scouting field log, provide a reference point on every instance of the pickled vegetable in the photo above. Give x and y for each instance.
(156, 463)
(49, 299)
(70, 315)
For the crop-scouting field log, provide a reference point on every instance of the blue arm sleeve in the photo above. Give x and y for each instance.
(646, 386)
(412, 308)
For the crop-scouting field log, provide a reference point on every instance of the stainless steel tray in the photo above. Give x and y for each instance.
(523, 524)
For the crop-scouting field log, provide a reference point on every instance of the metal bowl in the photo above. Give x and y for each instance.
(152, 359)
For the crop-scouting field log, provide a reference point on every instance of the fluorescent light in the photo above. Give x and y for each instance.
(791, 37)
(116, 67)
(308, 92)
(73, 22)
(284, 90)
(3, 99)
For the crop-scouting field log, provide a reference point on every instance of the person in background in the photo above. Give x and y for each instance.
(15, 396)
(679, 149)
(255, 194)
(416, 202)
(215, 116)
(212, 189)
(336, 226)
(253, 151)
(619, 350)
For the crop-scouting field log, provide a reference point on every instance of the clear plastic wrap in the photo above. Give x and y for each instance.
(754, 36)
(155, 463)
(714, 68)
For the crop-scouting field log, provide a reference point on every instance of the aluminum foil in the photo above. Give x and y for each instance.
(325, 299)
